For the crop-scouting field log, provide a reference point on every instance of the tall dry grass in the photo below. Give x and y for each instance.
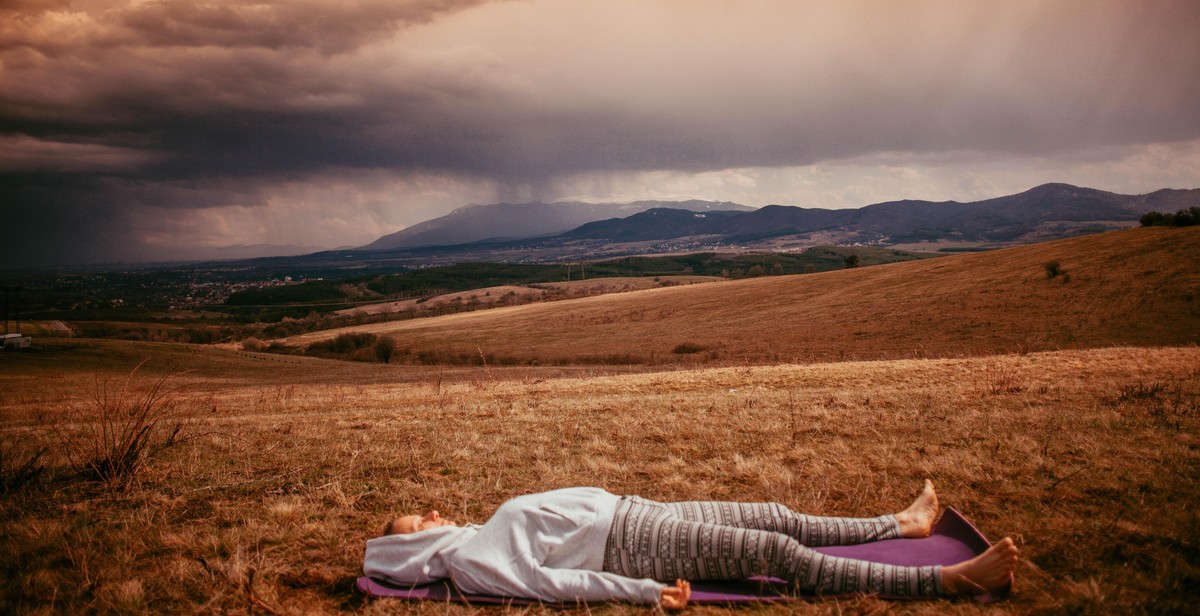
(20, 464)
(268, 510)
(111, 433)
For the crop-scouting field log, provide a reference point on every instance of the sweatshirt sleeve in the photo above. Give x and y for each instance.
(525, 577)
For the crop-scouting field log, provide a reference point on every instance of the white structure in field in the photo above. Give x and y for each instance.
(16, 341)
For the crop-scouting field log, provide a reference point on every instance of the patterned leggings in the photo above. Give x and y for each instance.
(702, 540)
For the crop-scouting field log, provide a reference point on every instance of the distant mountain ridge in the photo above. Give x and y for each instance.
(502, 221)
(655, 224)
(1002, 219)
(1043, 212)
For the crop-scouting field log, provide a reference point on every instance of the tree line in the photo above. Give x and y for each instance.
(1182, 218)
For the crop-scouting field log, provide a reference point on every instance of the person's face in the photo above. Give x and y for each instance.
(417, 523)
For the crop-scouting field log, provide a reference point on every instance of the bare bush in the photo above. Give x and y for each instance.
(110, 437)
(385, 348)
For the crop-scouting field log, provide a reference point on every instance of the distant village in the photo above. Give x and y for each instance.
(150, 290)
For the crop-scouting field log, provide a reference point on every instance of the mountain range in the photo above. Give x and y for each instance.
(1045, 212)
(554, 232)
(506, 221)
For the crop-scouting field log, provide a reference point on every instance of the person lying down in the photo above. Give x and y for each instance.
(585, 544)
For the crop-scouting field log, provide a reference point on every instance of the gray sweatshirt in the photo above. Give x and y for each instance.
(547, 546)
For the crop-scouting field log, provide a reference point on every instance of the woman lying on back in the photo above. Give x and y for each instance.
(585, 544)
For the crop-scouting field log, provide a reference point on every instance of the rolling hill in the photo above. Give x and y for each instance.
(1134, 287)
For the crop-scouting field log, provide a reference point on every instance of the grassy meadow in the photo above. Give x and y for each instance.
(1136, 287)
(1087, 453)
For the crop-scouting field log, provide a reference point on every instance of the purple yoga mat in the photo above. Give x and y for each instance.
(953, 540)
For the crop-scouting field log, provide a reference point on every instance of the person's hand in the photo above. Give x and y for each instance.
(676, 597)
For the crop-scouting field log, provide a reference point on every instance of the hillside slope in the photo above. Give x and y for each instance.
(1135, 287)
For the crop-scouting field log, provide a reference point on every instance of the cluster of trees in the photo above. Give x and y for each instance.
(1182, 218)
(348, 346)
(753, 272)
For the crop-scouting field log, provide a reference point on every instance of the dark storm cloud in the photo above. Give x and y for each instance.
(108, 109)
(329, 27)
(111, 110)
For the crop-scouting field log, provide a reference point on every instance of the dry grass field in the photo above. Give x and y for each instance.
(1135, 287)
(1064, 413)
(1089, 459)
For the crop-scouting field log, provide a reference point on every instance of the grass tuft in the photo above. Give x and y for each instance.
(999, 377)
(1140, 391)
(19, 468)
(110, 437)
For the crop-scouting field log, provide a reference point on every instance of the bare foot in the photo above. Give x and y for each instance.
(917, 520)
(987, 572)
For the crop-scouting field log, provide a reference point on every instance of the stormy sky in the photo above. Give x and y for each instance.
(160, 129)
